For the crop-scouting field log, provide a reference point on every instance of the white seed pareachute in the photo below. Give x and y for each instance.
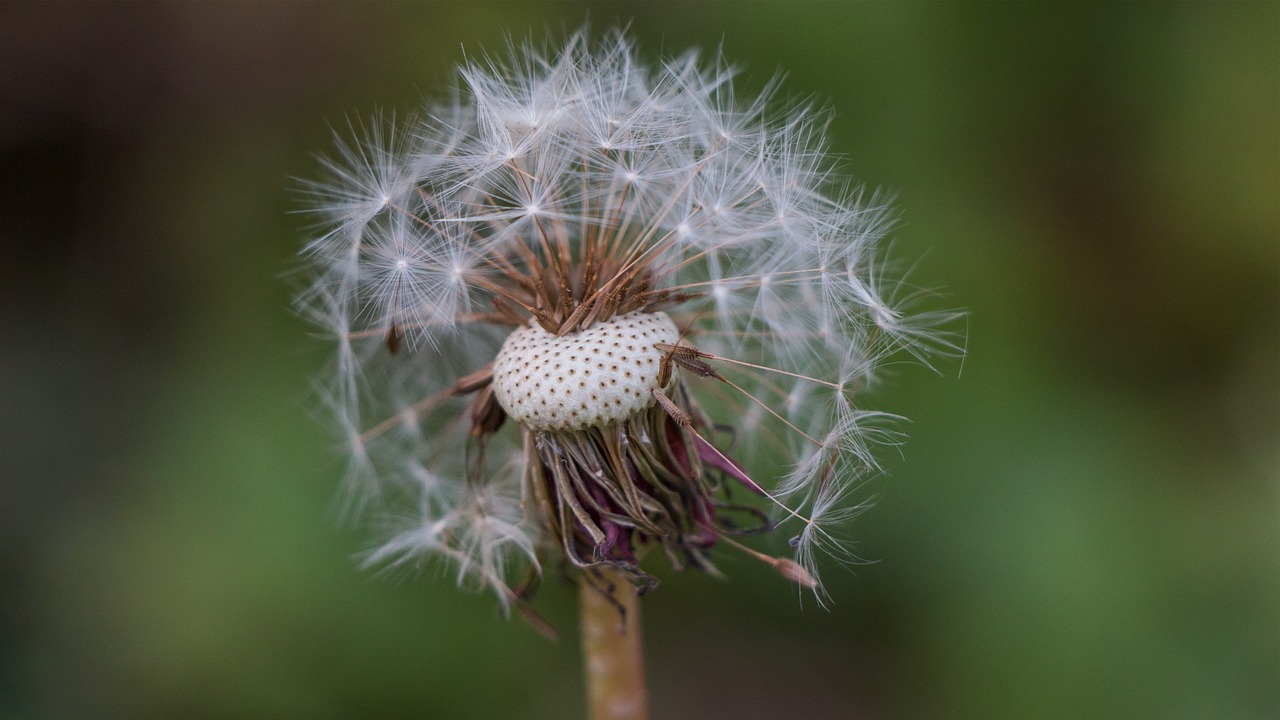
(508, 252)
(588, 378)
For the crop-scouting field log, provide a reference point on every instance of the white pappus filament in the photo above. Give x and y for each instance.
(590, 307)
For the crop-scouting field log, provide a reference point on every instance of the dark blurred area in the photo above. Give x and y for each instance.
(1085, 522)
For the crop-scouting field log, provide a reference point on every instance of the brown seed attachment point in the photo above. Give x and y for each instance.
(794, 572)
(681, 417)
(789, 569)
(689, 358)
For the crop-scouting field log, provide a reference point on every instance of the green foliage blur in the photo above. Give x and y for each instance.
(1084, 523)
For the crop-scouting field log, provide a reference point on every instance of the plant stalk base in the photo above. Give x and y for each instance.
(611, 648)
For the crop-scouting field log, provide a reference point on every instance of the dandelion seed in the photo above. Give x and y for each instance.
(615, 311)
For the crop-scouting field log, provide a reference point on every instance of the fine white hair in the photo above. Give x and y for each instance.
(775, 264)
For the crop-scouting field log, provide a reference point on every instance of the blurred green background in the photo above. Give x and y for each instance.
(1083, 524)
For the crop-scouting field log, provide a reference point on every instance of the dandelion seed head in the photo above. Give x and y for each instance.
(586, 306)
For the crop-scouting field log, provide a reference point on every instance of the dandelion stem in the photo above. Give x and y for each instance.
(611, 647)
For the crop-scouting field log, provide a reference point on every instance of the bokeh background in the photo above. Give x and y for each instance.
(1085, 522)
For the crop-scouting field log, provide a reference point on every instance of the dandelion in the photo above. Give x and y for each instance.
(590, 311)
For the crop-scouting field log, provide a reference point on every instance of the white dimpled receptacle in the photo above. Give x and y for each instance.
(588, 378)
